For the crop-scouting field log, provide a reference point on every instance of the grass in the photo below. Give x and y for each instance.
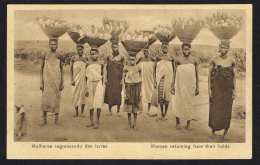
(32, 50)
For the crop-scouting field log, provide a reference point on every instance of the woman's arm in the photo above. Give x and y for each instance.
(71, 71)
(211, 66)
(234, 78)
(62, 73)
(196, 63)
(41, 71)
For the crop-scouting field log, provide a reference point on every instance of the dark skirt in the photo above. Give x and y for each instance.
(221, 100)
(133, 102)
(113, 87)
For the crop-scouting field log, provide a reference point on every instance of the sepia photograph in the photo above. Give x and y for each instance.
(138, 81)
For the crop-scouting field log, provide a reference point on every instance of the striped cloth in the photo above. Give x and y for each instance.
(185, 85)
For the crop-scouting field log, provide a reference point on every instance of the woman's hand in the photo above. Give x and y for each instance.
(72, 82)
(234, 95)
(41, 86)
(61, 86)
(173, 89)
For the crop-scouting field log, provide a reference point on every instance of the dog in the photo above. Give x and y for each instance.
(21, 123)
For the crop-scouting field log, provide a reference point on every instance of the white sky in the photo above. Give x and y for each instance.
(26, 28)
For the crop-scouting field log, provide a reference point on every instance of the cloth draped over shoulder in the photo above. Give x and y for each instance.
(185, 85)
(114, 87)
(221, 100)
(51, 94)
(78, 91)
(94, 85)
(147, 80)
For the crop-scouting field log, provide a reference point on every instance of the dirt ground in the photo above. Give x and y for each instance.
(111, 129)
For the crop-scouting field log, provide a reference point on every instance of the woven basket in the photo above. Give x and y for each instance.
(75, 36)
(224, 33)
(188, 34)
(162, 38)
(53, 32)
(134, 46)
(94, 42)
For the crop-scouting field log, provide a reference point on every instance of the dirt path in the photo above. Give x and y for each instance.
(112, 128)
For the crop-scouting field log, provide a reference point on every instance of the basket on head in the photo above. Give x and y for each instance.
(162, 38)
(75, 36)
(151, 40)
(188, 34)
(224, 33)
(133, 47)
(53, 32)
(94, 42)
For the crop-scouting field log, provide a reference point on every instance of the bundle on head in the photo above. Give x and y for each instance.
(115, 27)
(151, 37)
(94, 36)
(187, 30)
(224, 26)
(134, 42)
(53, 28)
(74, 33)
(164, 33)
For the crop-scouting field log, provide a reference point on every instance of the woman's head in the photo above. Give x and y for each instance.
(80, 49)
(186, 49)
(224, 47)
(53, 43)
(94, 54)
(165, 46)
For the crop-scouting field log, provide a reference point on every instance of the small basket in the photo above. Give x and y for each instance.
(224, 33)
(134, 46)
(94, 42)
(54, 32)
(188, 34)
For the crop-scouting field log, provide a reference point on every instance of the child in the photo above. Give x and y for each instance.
(133, 78)
(78, 80)
(94, 91)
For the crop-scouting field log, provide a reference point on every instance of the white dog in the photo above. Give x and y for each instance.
(21, 122)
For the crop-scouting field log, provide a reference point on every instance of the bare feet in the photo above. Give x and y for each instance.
(224, 138)
(152, 115)
(139, 113)
(178, 127)
(118, 115)
(89, 124)
(134, 127)
(188, 128)
(57, 123)
(75, 115)
(213, 136)
(109, 114)
(161, 118)
(43, 123)
(96, 126)
(82, 115)
(19, 135)
(164, 118)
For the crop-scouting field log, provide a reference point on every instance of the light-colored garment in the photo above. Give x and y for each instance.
(185, 85)
(147, 80)
(78, 91)
(51, 94)
(94, 85)
(164, 69)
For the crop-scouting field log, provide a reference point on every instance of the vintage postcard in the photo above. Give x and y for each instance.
(129, 81)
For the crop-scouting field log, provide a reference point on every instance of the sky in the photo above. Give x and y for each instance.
(26, 28)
